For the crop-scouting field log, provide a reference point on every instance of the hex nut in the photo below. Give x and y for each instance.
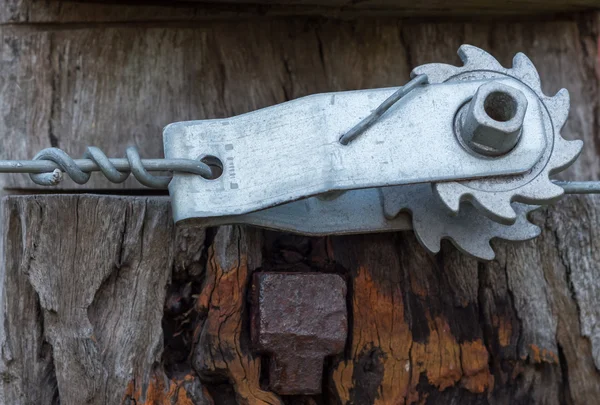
(493, 120)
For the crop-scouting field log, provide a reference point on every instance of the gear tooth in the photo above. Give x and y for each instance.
(559, 108)
(561, 100)
(524, 69)
(426, 237)
(436, 72)
(449, 197)
(486, 252)
(554, 191)
(477, 57)
(526, 229)
(520, 60)
(495, 207)
(546, 192)
(566, 153)
(531, 231)
(562, 94)
(393, 201)
(479, 249)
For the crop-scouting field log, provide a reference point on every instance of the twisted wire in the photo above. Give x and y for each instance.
(49, 164)
(66, 164)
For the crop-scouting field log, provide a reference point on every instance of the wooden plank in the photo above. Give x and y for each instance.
(165, 10)
(88, 280)
(83, 300)
(104, 301)
(451, 329)
(115, 85)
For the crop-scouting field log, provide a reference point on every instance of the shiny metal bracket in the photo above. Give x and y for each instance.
(292, 150)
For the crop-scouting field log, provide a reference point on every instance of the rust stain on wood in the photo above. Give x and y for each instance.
(504, 330)
(378, 323)
(541, 355)
(161, 391)
(474, 361)
(397, 362)
(220, 352)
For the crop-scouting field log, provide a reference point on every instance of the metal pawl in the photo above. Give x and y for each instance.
(355, 211)
(292, 150)
(386, 209)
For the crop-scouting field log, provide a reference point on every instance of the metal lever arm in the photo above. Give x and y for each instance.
(292, 150)
(355, 211)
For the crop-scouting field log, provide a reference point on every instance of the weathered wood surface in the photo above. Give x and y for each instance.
(83, 291)
(71, 76)
(104, 301)
(202, 9)
(88, 280)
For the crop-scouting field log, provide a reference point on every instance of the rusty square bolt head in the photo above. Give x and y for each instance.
(297, 320)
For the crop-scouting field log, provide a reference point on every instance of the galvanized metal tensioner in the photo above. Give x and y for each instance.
(467, 151)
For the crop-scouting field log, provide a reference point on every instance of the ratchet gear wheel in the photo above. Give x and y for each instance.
(494, 207)
(494, 196)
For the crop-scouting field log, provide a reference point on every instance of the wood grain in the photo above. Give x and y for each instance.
(88, 280)
(222, 348)
(450, 329)
(103, 300)
(86, 316)
(168, 10)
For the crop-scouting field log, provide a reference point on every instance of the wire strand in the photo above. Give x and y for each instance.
(368, 121)
(115, 170)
